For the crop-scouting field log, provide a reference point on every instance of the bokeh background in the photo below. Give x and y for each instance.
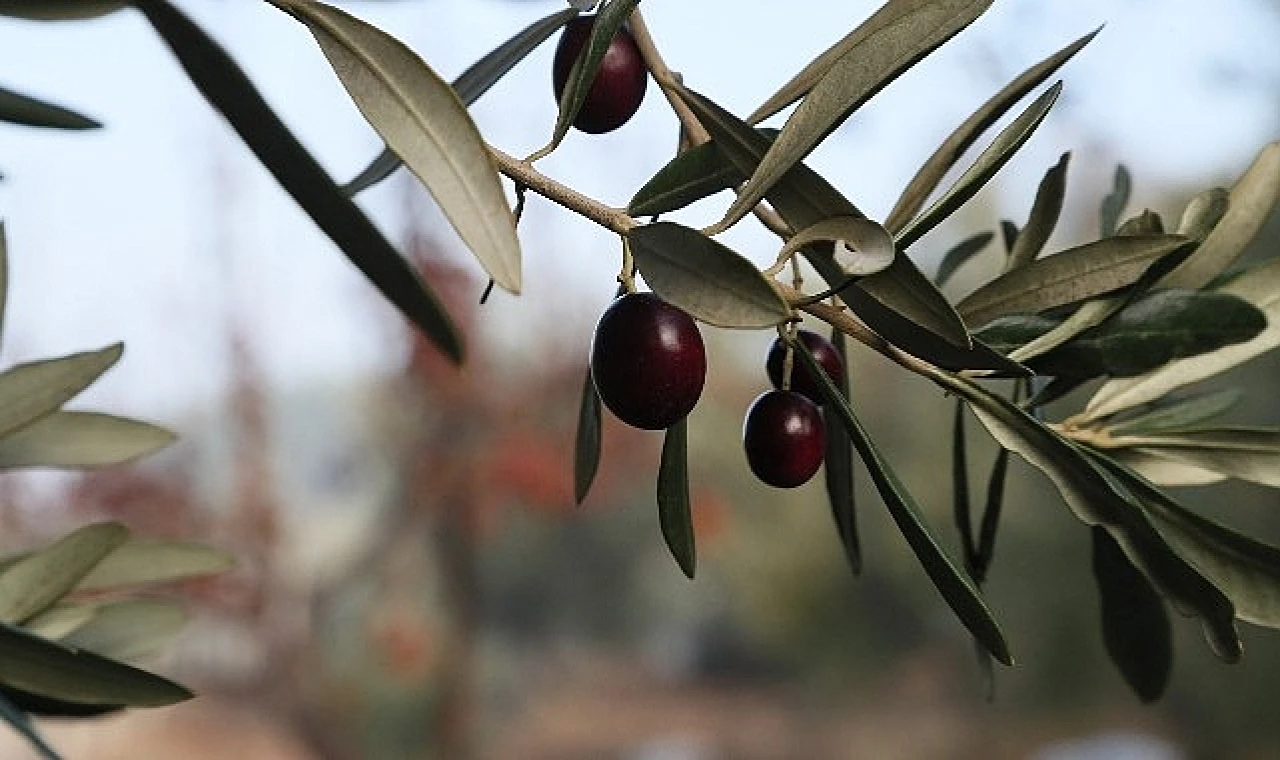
(415, 581)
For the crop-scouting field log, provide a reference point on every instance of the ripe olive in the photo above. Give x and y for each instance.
(618, 89)
(802, 381)
(784, 437)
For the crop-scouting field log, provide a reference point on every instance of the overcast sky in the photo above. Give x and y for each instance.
(148, 230)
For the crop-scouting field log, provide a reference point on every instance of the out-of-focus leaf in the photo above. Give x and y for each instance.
(32, 585)
(611, 16)
(1073, 275)
(31, 391)
(60, 620)
(960, 489)
(47, 669)
(1259, 286)
(1247, 453)
(959, 254)
(932, 171)
(228, 90)
(862, 247)
(470, 85)
(959, 593)
(1204, 212)
(17, 108)
(1010, 139)
(130, 629)
(420, 117)
(900, 34)
(1008, 235)
(36, 705)
(4, 276)
(674, 516)
(1097, 500)
(1178, 416)
(1043, 218)
(22, 723)
(1164, 471)
(59, 10)
(1146, 223)
(839, 471)
(586, 447)
(695, 174)
(1057, 388)
(81, 439)
(146, 562)
(1113, 205)
(703, 277)
(1252, 200)
(991, 515)
(1135, 625)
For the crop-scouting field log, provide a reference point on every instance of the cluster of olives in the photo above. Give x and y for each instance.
(649, 366)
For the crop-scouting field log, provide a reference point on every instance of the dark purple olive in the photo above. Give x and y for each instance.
(618, 89)
(784, 437)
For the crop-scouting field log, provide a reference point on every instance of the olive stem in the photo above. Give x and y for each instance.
(522, 173)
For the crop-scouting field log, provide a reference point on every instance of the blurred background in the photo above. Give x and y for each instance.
(415, 581)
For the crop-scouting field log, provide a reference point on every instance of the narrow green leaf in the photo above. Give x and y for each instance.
(674, 517)
(586, 448)
(32, 585)
(1164, 471)
(17, 108)
(129, 629)
(81, 439)
(959, 593)
(935, 168)
(60, 620)
(228, 90)
(705, 278)
(895, 38)
(839, 471)
(1007, 143)
(43, 668)
(1259, 286)
(959, 254)
(1179, 416)
(420, 117)
(1203, 213)
(1252, 200)
(59, 10)
(1135, 625)
(1008, 235)
(1113, 205)
(610, 17)
(1057, 388)
(960, 490)
(1090, 314)
(991, 515)
(22, 723)
(1073, 275)
(1043, 218)
(39, 706)
(697, 173)
(469, 86)
(146, 562)
(36, 389)
(1247, 453)
(1008, 333)
(1095, 499)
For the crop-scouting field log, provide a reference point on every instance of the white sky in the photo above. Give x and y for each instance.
(123, 233)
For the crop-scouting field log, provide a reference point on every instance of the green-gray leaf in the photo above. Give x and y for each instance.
(146, 562)
(470, 85)
(958, 591)
(59, 10)
(33, 584)
(61, 619)
(1113, 205)
(838, 462)
(1073, 275)
(1043, 218)
(34, 390)
(1203, 212)
(81, 440)
(1135, 625)
(997, 154)
(895, 38)
(1162, 470)
(695, 174)
(703, 277)
(959, 254)
(1177, 416)
(935, 168)
(17, 108)
(674, 516)
(420, 117)
(217, 76)
(1146, 223)
(130, 629)
(586, 447)
(1247, 453)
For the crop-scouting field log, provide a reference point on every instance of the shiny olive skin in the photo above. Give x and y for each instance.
(802, 381)
(784, 438)
(619, 87)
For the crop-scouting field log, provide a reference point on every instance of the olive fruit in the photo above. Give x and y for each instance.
(648, 361)
(784, 437)
(802, 381)
(618, 89)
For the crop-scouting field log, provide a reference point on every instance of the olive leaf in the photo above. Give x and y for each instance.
(1247, 453)
(4, 276)
(697, 173)
(17, 108)
(959, 254)
(1203, 212)
(1146, 223)
(469, 86)
(1178, 416)
(129, 629)
(59, 10)
(862, 247)
(674, 517)
(1002, 148)
(31, 391)
(1251, 202)
(1135, 625)
(1073, 275)
(960, 507)
(1008, 235)
(22, 723)
(1259, 286)
(896, 37)
(420, 117)
(1162, 470)
(838, 461)
(138, 563)
(959, 593)
(705, 278)
(991, 515)
(940, 162)
(586, 448)
(32, 585)
(1043, 217)
(221, 81)
(62, 619)
(1113, 204)
(81, 439)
